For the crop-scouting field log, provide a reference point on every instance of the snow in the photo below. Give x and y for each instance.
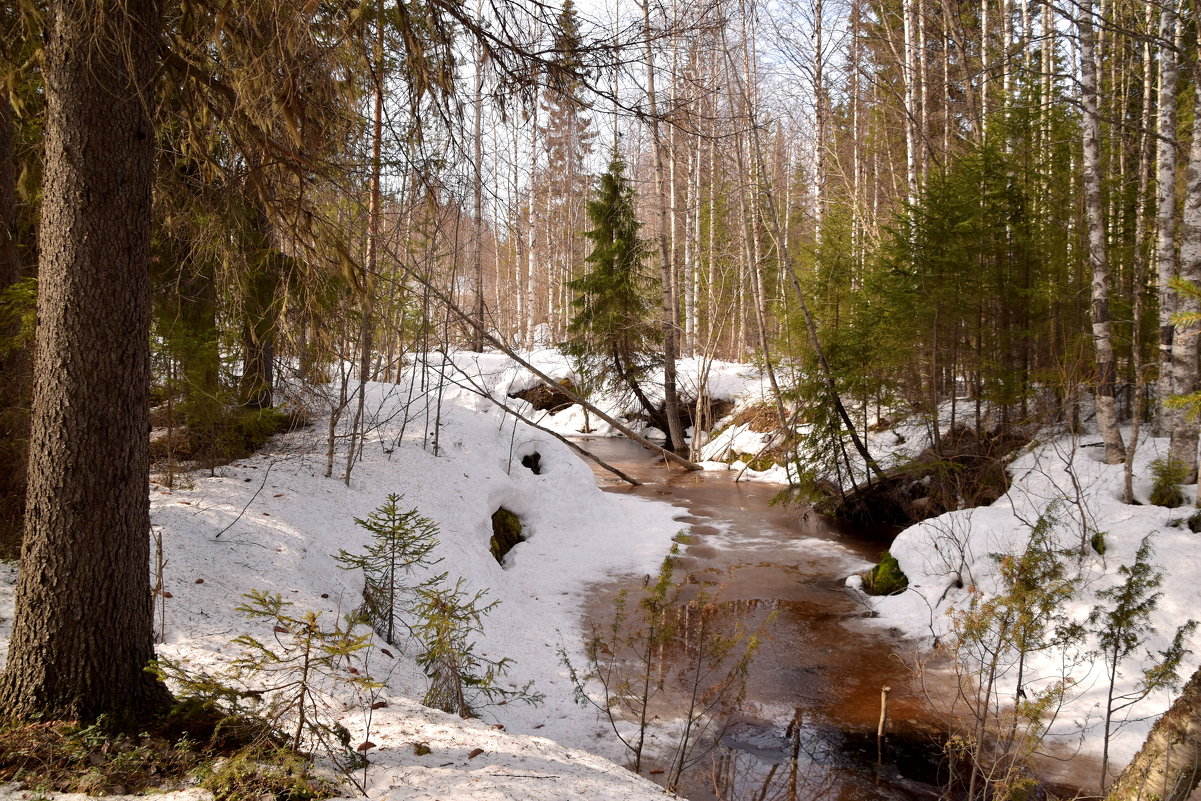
(947, 556)
(271, 522)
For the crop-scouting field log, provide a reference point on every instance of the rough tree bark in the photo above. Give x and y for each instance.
(82, 633)
(1168, 766)
(260, 310)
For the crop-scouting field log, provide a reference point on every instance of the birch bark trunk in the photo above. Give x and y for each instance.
(1107, 420)
(1183, 447)
(1165, 215)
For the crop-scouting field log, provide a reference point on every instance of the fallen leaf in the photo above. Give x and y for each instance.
(475, 753)
(367, 746)
(421, 749)
(656, 771)
(266, 515)
(278, 495)
(498, 726)
(379, 705)
(325, 595)
(199, 581)
(186, 503)
(280, 630)
(167, 594)
(387, 653)
(353, 671)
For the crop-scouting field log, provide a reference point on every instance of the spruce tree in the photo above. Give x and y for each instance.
(403, 542)
(612, 328)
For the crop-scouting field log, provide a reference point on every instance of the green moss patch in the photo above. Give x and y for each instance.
(506, 533)
(229, 756)
(886, 578)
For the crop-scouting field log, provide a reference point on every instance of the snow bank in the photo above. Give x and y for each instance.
(272, 522)
(947, 556)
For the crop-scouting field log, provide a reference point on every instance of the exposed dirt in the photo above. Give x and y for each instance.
(966, 470)
(547, 399)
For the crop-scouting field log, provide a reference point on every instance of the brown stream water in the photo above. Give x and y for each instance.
(814, 686)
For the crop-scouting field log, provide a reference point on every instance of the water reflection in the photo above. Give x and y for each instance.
(805, 727)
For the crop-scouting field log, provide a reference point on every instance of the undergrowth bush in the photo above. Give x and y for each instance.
(1167, 476)
(461, 681)
(266, 772)
(186, 748)
(68, 757)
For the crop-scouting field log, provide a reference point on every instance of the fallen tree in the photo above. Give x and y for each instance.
(546, 379)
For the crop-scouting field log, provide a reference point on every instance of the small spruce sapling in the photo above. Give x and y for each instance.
(1122, 624)
(1167, 476)
(402, 543)
(300, 670)
(280, 696)
(461, 681)
(991, 641)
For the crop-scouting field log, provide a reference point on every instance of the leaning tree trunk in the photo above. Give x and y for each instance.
(82, 634)
(1107, 418)
(1168, 766)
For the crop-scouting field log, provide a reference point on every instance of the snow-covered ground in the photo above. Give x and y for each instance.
(947, 556)
(272, 522)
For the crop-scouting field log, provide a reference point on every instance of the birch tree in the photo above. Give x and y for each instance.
(1098, 256)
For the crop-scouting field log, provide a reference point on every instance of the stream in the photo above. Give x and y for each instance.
(806, 728)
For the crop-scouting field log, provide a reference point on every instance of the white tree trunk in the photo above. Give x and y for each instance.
(1165, 247)
(1107, 419)
(1168, 765)
(1183, 448)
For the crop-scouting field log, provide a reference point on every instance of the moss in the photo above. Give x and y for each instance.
(1097, 542)
(760, 417)
(764, 462)
(506, 533)
(886, 578)
(267, 772)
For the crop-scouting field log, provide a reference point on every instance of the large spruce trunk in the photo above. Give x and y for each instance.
(10, 265)
(82, 634)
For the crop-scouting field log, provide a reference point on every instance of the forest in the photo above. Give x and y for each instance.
(883, 204)
(987, 209)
